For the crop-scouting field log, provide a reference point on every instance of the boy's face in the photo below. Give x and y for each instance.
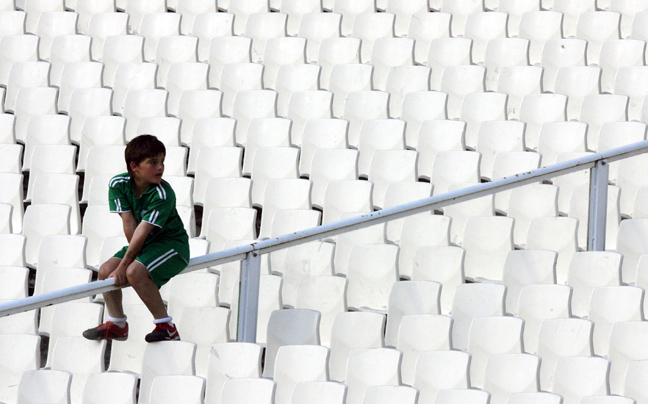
(149, 170)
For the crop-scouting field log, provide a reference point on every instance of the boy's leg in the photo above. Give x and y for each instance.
(140, 279)
(113, 298)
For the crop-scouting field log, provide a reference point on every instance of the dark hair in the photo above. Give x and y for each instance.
(141, 148)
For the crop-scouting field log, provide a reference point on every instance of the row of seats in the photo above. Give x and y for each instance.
(495, 361)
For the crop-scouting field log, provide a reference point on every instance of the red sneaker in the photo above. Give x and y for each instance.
(107, 330)
(163, 332)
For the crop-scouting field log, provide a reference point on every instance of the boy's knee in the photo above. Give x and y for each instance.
(136, 273)
(104, 271)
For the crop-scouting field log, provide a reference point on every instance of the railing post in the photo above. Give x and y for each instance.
(597, 206)
(249, 298)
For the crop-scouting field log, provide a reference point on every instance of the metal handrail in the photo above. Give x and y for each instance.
(251, 253)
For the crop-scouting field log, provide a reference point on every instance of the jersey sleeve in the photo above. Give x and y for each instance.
(161, 207)
(117, 201)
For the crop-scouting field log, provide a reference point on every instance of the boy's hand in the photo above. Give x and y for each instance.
(120, 276)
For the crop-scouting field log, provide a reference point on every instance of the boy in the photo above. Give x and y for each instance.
(158, 245)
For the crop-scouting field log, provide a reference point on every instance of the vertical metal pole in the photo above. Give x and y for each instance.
(249, 298)
(597, 206)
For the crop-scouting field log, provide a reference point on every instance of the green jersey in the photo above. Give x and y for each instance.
(157, 206)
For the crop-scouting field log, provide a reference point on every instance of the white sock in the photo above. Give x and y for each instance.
(168, 320)
(119, 322)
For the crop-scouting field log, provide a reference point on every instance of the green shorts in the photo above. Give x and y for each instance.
(161, 259)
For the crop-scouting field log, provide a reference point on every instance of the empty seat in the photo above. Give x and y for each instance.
(507, 374)
(173, 49)
(369, 27)
(577, 82)
(182, 363)
(495, 137)
(444, 52)
(434, 136)
(460, 11)
(33, 101)
(389, 53)
(400, 304)
(501, 53)
(518, 81)
(589, 270)
(22, 75)
(473, 301)
(474, 113)
(251, 104)
(578, 377)
(556, 138)
(627, 307)
(345, 78)
(464, 396)
(334, 51)
(44, 386)
(207, 26)
(85, 103)
(482, 27)
(538, 27)
(616, 53)
(229, 361)
(432, 377)
(629, 81)
(536, 109)
(350, 10)
(442, 264)
(452, 167)
(559, 53)
(425, 27)
(319, 393)
(457, 81)
(281, 51)
(16, 48)
(296, 364)
(631, 243)
(262, 27)
(626, 345)
(371, 367)
(572, 10)
(131, 76)
(224, 50)
(318, 26)
(243, 9)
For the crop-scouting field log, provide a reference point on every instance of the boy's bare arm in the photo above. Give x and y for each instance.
(130, 223)
(135, 245)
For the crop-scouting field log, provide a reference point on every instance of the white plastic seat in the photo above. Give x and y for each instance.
(296, 10)
(402, 80)
(331, 165)
(318, 26)
(98, 223)
(518, 81)
(561, 137)
(249, 390)
(559, 53)
(131, 76)
(224, 50)
(13, 249)
(536, 109)
(630, 81)
(589, 270)
(137, 10)
(419, 107)
(265, 132)
(262, 27)
(272, 163)
(85, 103)
(193, 290)
(321, 134)
(526, 267)
(14, 282)
(543, 233)
(203, 326)
(633, 386)
(12, 20)
(560, 338)
(290, 327)
(442, 264)
(143, 103)
(390, 53)
(498, 137)
(170, 389)
(567, 183)
(5, 218)
(628, 11)
(391, 394)
(102, 160)
(399, 193)
(42, 130)
(279, 52)
(578, 377)
(334, 51)
(38, 386)
(206, 133)
(119, 49)
(78, 75)
(7, 135)
(631, 243)
(481, 27)
(460, 11)
(345, 241)
(400, 304)
(230, 159)
(296, 364)
(425, 27)
(346, 196)
(230, 361)
(369, 27)
(379, 134)
(70, 319)
(52, 24)
(474, 112)
(577, 82)
(98, 384)
(572, 10)
(473, 301)
(156, 363)
(501, 53)
(371, 367)
(616, 53)
(80, 357)
(283, 194)
(529, 202)
(22, 75)
(361, 106)
(210, 25)
(629, 182)
(444, 52)
(33, 101)
(515, 11)
(251, 104)
(464, 396)
(243, 9)
(16, 48)
(60, 189)
(538, 27)
(13, 196)
(304, 106)
(293, 78)
(166, 129)
(190, 11)
(625, 346)
(182, 78)
(597, 27)
(507, 374)
(486, 255)
(389, 166)
(349, 11)
(285, 221)
(454, 167)
(172, 49)
(628, 304)
(434, 136)
(345, 78)
(42, 220)
(457, 81)
(431, 377)
(59, 251)
(226, 224)
(100, 26)
(538, 303)
(319, 393)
